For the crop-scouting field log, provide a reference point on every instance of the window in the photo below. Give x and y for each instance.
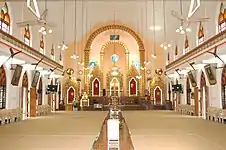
(52, 53)
(200, 34)
(5, 19)
(42, 45)
(186, 45)
(2, 88)
(176, 53)
(27, 35)
(222, 18)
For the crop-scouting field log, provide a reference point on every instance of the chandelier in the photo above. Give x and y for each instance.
(183, 30)
(43, 30)
(165, 46)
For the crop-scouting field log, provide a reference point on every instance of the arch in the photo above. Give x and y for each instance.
(118, 42)
(27, 35)
(96, 87)
(188, 93)
(3, 84)
(70, 95)
(156, 100)
(132, 89)
(40, 89)
(5, 19)
(223, 88)
(203, 95)
(112, 27)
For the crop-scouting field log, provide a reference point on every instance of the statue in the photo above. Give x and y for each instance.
(84, 100)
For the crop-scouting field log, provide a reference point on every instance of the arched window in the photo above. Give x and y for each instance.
(52, 53)
(222, 18)
(42, 45)
(5, 19)
(2, 88)
(200, 34)
(27, 35)
(186, 45)
(176, 53)
(223, 88)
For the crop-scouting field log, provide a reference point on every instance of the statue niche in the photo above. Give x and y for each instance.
(96, 81)
(157, 91)
(132, 82)
(114, 82)
(70, 90)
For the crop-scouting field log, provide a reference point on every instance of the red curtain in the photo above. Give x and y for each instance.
(71, 95)
(133, 87)
(158, 94)
(96, 85)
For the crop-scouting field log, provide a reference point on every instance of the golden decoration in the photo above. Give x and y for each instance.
(132, 73)
(97, 73)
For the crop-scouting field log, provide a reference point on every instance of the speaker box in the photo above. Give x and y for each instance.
(104, 92)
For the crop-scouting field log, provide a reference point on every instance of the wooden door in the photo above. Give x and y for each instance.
(158, 95)
(33, 98)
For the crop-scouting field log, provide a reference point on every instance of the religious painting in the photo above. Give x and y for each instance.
(210, 73)
(96, 87)
(192, 78)
(114, 87)
(133, 87)
(70, 95)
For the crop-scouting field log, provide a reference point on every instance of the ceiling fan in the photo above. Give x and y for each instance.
(185, 21)
(39, 21)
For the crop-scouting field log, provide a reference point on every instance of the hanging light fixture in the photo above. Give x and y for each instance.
(181, 29)
(164, 45)
(63, 46)
(154, 50)
(74, 56)
(147, 62)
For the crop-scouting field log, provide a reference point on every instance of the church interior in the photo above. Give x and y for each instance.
(156, 66)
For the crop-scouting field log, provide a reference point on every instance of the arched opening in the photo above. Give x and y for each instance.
(70, 95)
(188, 89)
(2, 88)
(114, 87)
(50, 95)
(157, 95)
(40, 87)
(96, 87)
(132, 87)
(203, 104)
(223, 88)
(24, 101)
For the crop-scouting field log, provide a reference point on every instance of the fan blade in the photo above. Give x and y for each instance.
(175, 14)
(44, 14)
(25, 23)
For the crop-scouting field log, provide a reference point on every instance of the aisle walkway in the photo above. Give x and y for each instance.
(60, 131)
(162, 130)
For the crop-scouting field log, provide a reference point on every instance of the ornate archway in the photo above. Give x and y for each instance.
(113, 27)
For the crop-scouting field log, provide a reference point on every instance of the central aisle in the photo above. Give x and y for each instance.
(60, 131)
(165, 130)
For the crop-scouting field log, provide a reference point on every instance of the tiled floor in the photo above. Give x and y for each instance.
(161, 130)
(61, 131)
(151, 130)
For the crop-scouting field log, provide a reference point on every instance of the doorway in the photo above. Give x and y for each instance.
(203, 104)
(157, 95)
(114, 87)
(70, 95)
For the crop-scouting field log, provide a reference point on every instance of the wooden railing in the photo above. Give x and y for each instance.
(199, 49)
(19, 44)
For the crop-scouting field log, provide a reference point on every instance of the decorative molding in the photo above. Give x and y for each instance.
(31, 51)
(202, 48)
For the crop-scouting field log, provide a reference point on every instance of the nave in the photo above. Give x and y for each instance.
(157, 130)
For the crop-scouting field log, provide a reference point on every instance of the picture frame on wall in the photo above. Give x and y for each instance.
(210, 71)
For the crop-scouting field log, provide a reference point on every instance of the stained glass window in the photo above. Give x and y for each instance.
(27, 35)
(92, 64)
(200, 34)
(114, 58)
(42, 45)
(5, 19)
(222, 18)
